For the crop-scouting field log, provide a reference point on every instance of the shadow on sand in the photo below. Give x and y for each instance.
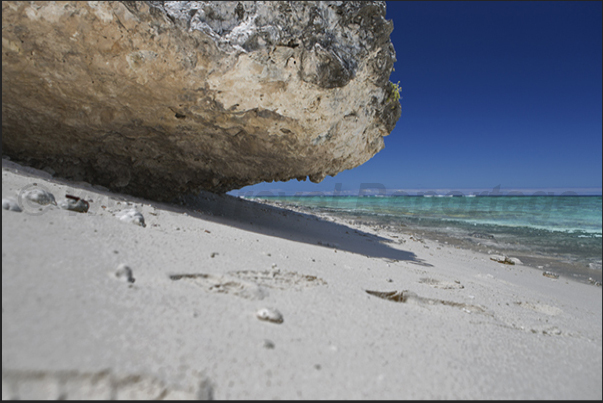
(286, 224)
(246, 215)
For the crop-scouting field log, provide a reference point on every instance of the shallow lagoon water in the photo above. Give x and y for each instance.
(558, 232)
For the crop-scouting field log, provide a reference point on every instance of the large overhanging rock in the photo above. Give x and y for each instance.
(163, 98)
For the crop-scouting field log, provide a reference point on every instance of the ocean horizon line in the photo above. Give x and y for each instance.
(419, 195)
(378, 190)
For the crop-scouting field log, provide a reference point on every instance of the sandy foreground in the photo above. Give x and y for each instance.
(440, 322)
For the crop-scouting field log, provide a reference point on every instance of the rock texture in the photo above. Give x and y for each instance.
(163, 98)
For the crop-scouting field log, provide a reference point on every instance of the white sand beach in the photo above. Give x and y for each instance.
(183, 325)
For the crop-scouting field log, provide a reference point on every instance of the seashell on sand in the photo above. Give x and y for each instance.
(132, 216)
(270, 315)
(124, 273)
(40, 196)
(11, 205)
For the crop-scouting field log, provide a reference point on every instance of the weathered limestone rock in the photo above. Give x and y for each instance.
(163, 98)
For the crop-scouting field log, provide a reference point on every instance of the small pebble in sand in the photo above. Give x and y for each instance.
(124, 273)
(550, 274)
(132, 216)
(268, 344)
(214, 254)
(74, 203)
(40, 196)
(11, 205)
(269, 315)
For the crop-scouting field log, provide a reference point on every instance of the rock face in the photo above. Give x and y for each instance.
(161, 98)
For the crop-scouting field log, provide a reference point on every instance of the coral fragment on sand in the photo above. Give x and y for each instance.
(503, 259)
(269, 315)
(74, 203)
(550, 274)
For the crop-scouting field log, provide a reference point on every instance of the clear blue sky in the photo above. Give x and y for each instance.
(493, 93)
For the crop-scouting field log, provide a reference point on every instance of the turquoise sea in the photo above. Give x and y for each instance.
(554, 232)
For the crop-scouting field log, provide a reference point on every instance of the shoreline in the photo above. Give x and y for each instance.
(364, 315)
(575, 271)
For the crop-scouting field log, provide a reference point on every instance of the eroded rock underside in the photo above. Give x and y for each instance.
(159, 99)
